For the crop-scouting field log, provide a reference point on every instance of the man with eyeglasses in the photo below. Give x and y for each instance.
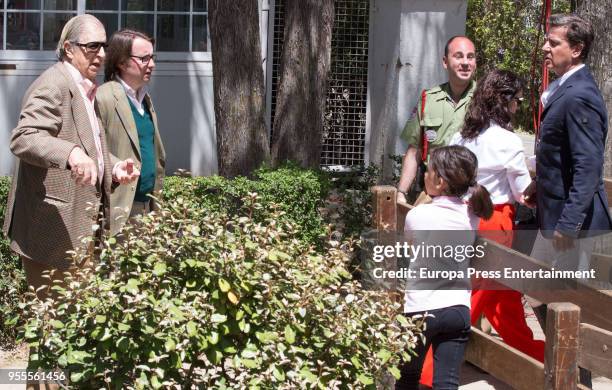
(62, 181)
(128, 115)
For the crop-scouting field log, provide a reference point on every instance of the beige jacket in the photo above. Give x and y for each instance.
(122, 137)
(48, 212)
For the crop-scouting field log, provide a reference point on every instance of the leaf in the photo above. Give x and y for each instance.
(266, 337)
(132, 286)
(155, 383)
(213, 338)
(365, 379)
(402, 320)
(57, 324)
(159, 269)
(100, 319)
(192, 328)
(384, 355)
(76, 377)
(248, 354)
(232, 297)
(170, 345)
(224, 285)
(218, 318)
(249, 363)
(279, 374)
(309, 376)
(395, 372)
(289, 334)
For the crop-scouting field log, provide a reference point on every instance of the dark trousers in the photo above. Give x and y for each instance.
(447, 332)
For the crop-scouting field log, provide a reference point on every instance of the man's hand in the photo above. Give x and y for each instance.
(125, 171)
(562, 242)
(400, 197)
(529, 195)
(83, 168)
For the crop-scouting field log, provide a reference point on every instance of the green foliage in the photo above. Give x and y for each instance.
(12, 278)
(354, 197)
(298, 192)
(505, 34)
(226, 298)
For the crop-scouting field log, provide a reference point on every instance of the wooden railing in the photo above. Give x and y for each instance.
(578, 326)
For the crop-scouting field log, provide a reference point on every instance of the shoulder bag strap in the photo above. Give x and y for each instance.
(424, 142)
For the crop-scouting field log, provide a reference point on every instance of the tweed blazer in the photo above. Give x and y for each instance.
(48, 213)
(122, 138)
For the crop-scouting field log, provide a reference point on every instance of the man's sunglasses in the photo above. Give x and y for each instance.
(92, 47)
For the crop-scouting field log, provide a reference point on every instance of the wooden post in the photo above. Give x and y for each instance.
(385, 208)
(561, 355)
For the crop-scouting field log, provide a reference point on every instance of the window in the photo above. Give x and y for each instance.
(35, 25)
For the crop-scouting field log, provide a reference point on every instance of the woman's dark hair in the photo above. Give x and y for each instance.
(491, 102)
(120, 49)
(457, 165)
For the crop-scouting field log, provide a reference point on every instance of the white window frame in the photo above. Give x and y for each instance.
(49, 55)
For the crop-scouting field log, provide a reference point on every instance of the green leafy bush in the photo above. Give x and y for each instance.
(217, 299)
(12, 278)
(505, 33)
(298, 192)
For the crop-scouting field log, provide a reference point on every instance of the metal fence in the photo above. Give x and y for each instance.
(343, 140)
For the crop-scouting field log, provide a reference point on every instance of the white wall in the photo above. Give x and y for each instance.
(182, 92)
(407, 39)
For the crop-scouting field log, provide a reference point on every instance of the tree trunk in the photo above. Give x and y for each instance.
(305, 64)
(242, 137)
(599, 13)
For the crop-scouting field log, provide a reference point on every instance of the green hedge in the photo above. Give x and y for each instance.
(230, 294)
(12, 279)
(298, 193)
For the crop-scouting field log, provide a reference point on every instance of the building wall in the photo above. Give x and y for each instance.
(406, 43)
(407, 39)
(183, 96)
(181, 88)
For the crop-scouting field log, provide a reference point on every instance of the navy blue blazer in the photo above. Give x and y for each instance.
(570, 156)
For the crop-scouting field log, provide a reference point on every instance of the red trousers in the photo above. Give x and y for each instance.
(503, 308)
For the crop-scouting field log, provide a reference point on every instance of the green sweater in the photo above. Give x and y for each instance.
(146, 138)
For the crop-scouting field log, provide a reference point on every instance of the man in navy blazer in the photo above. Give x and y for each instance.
(569, 188)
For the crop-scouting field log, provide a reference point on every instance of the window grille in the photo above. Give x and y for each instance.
(343, 141)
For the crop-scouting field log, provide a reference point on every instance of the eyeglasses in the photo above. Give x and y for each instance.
(146, 59)
(92, 47)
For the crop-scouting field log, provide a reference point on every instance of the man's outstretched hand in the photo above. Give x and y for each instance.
(125, 171)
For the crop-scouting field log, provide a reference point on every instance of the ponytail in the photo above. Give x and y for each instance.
(480, 202)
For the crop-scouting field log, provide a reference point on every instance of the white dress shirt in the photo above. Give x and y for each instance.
(136, 97)
(87, 88)
(554, 86)
(443, 213)
(501, 162)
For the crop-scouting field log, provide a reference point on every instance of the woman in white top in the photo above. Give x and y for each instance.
(487, 131)
(451, 173)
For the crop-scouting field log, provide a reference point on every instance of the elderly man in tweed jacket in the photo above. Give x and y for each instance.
(63, 175)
